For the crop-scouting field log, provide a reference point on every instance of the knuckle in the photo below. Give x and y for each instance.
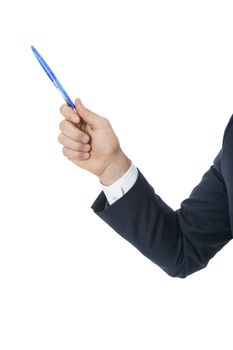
(65, 151)
(61, 125)
(60, 138)
(105, 120)
(62, 108)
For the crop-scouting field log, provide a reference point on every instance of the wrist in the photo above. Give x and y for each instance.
(116, 169)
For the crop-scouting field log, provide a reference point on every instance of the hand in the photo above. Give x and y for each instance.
(101, 153)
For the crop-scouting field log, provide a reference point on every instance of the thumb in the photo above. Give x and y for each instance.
(88, 116)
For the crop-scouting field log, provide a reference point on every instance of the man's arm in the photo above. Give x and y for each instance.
(181, 241)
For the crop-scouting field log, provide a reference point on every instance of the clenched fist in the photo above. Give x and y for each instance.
(90, 142)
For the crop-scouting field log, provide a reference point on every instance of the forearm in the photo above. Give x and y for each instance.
(180, 242)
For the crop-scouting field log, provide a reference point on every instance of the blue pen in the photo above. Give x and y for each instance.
(53, 78)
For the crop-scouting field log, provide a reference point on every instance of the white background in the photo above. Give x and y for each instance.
(162, 73)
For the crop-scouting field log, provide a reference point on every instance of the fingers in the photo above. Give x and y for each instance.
(69, 114)
(74, 145)
(74, 155)
(83, 115)
(74, 140)
(73, 132)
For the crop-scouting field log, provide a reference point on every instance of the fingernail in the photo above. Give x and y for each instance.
(85, 138)
(86, 147)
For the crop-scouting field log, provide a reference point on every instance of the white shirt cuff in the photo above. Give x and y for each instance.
(121, 186)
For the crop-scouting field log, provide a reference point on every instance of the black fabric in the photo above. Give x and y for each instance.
(180, 241)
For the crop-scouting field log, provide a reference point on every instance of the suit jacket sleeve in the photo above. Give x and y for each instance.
(180, 241)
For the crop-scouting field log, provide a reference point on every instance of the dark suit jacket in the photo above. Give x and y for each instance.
(180, 241)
